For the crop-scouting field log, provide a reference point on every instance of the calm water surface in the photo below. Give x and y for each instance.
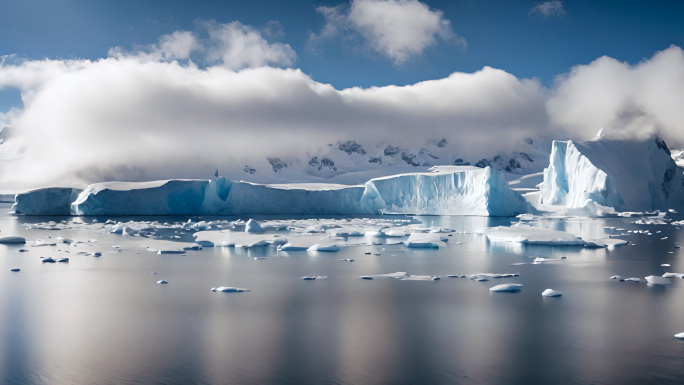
(106, 321)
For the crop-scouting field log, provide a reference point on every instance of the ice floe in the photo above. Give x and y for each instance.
(507, 288)
(534, 236)
(227, 289)
(656, 280)
(551, 293)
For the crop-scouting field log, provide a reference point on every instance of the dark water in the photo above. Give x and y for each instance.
(106, 321)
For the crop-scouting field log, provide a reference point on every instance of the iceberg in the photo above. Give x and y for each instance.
(46, 201)
(626, 175)
(450, 191)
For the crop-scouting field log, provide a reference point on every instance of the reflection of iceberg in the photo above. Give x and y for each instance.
(449, 191)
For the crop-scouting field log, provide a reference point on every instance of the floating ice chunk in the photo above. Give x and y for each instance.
(259, 258)
(65, 259)
(254, 227)
(610, 243)
(194, 248)
(15, 270)
(481, 279)
(162, 282)
(672, 275)
(632, 279)
(534, 236)
(181, 252)
(368, 277)
(312, 277)
(375, 234)
(656, 280)
(507, 287)
(347, 260)
(665, 264)
(403, 276)
(291, 247)
(679, 336)
(204, 243)
(48, 260)
(322, 247)
(551, 293)
(424, 241)
(95, 254)
(13, 239)
(227, 289)
(40, 243)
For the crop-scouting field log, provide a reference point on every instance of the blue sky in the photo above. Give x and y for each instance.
(158, 89)
(502, 34)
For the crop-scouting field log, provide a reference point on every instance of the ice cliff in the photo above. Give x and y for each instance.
(457, 191)
(626, 175)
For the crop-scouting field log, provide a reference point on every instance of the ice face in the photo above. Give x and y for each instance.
(621, 174)
(458, 191)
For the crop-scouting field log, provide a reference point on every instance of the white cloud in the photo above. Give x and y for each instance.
(397, 29)
(233, 45)
(548, 9)
(241, 46)
(132, 119)
(627, 100)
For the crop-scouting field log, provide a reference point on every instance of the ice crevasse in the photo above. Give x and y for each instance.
(454, 191)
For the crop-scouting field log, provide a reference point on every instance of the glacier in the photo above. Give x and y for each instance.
(626, 175)
(452, 191)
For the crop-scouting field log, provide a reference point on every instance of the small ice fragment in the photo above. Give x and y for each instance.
(366, 277)
(48, 260)
(615, 277)
(162, 282)
(679, 336)
(327, 248)
(672, 275)
(632, 279)
(15, 270)
(663, 238)
(115, 246)
(507, 288)
(290, 247)
(367, 253)
(65, 259)
(347, 260)
(551, 293)
(95, 254)
(482, 279)
(226, 289)
(23, 250)
(665, 264)
(312, 277)
(253, 227)
(453, 276)
(655, 280)
(259, 258)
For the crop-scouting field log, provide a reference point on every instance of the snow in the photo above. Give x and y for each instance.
(507, 288)
(551, 293)
(457, 191)
(626, 175)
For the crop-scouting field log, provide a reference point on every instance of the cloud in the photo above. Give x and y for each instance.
(628, 100)
(548, 9)
(397, 29)
(232, 45)
(127, 118)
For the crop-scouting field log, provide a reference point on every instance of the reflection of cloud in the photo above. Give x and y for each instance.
(398, 29)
